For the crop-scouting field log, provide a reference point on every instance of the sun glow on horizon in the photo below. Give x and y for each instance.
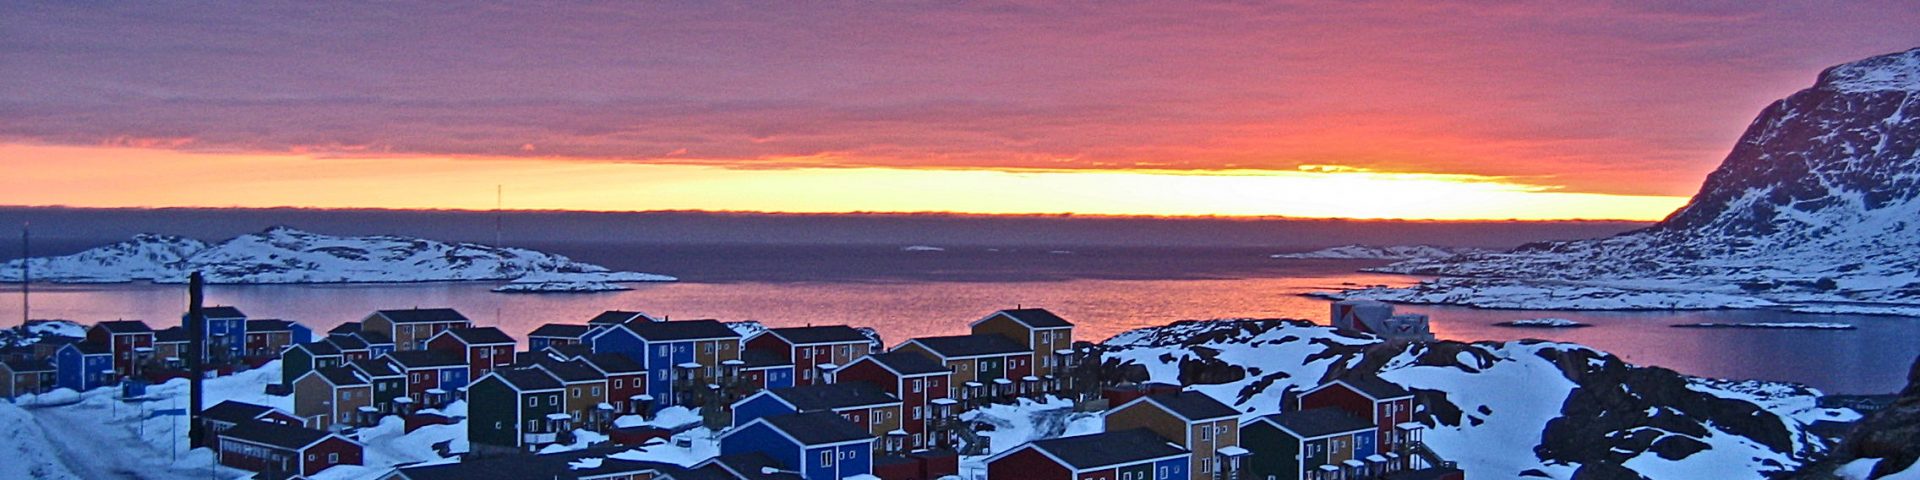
(134, 177)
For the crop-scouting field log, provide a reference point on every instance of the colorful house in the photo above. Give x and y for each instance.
(586, 391)
(984, 366)
(170, 347)
(83, 366)
(269, 337)
(1210, 430)
(1137, 454)
(129, 341)
(761, 370)
(1047, 335)
(817, 446)
(301, 358)
(556, 334)
(389, 386)
(433, 378)
(816, 352)
(515, 410)
(228, 414)
(351, 347)
(619, 317)
(920, 383)
(1389, 407)
(862, 403)
(281, 451)
(410, 329)
(680, 357)
(333, 398)
(483, 349)
(25, 376)
(1317, 444)
(626, 380)
(226, 332)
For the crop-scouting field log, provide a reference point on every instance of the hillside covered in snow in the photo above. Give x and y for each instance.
(282, 255)
(1526, 409)
(1817, 208)
(1371, 252)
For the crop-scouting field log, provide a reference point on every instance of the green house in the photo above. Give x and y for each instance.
(1317, 443)
(515, 409)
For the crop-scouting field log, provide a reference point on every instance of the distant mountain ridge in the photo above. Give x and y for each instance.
(1817, 206)
(1371, 252)
(284, 255)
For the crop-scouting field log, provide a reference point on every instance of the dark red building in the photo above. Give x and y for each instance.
(815, 351)
(917, 381)
(1384, 404)
(279, 451)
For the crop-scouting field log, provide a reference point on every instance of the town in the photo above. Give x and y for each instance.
(810, 402)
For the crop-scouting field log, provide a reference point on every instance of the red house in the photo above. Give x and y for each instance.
(626, 380)
(1389, 407)
(483, 349)
(815, 351)
(280, 451)
(432, 377)
(128, 340)
(917, 381)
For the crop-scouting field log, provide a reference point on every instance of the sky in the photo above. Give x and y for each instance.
(1434, 110)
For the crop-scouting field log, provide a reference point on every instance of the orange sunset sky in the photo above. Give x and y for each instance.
(1430, 110)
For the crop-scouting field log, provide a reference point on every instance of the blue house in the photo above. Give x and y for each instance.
(819, 445)
(555, 334)
(677, 355)
(226, 332)
(83, 366)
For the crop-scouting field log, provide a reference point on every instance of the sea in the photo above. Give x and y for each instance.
(904, 293)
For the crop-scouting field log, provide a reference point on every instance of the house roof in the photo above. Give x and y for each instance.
(235, 412)
(569, 371)
(833, 396)
(283, 436)
(480, 336)
(1318, 422)
(819, 334)
(751, 465)
(817, 428)
(344, 328)
(124, 326)
(527, 380)
(413, 359)
(170, 335)
(1192, 406)
(372, 338)
(1376, 388)
(682, 330)
(341, 376)
(614, 317)
(957, 346)
(763, 358)
(21, 366)
(347, 342)
(560, 330)
(375, 368)
(1109, 448)
(613, 363)
(423, 315)
(321, 348)
(1036, 318)
(497, 468)
(221, 312)
(576, 350)
(91, 348)
(269, 325)
(906, 363)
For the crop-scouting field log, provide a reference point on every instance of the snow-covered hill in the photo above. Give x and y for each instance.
(1524, 409)
(287, 255)
(1371, 252)
(1817, 207)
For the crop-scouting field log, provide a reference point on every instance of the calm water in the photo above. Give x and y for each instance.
(1106, 291)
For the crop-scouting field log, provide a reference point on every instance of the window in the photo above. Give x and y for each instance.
(916, 384)
(1206, 434)
(706, 348)
(533, 425)
(916, 412)
(619, 382)
(1163, 472)
(663, 350)
(333, 458)
(346, 395)
(596, 391)
(1206, 465)
(533, 401)
(499, 425)
(553, 400)
(486, 353)
(312, 457)
(826, 459)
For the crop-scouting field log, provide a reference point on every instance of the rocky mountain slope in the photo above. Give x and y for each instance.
(1524, 409)
(286, 255)
(1885, 445)
(1371, 252)
(1817, 207)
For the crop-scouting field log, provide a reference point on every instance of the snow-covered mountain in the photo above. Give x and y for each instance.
(1817, 206)
(1526, 409)
(1371, 252)
(287, 255)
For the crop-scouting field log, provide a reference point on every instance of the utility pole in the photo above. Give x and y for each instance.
(196, 325)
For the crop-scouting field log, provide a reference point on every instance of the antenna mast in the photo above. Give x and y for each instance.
(26, 273)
